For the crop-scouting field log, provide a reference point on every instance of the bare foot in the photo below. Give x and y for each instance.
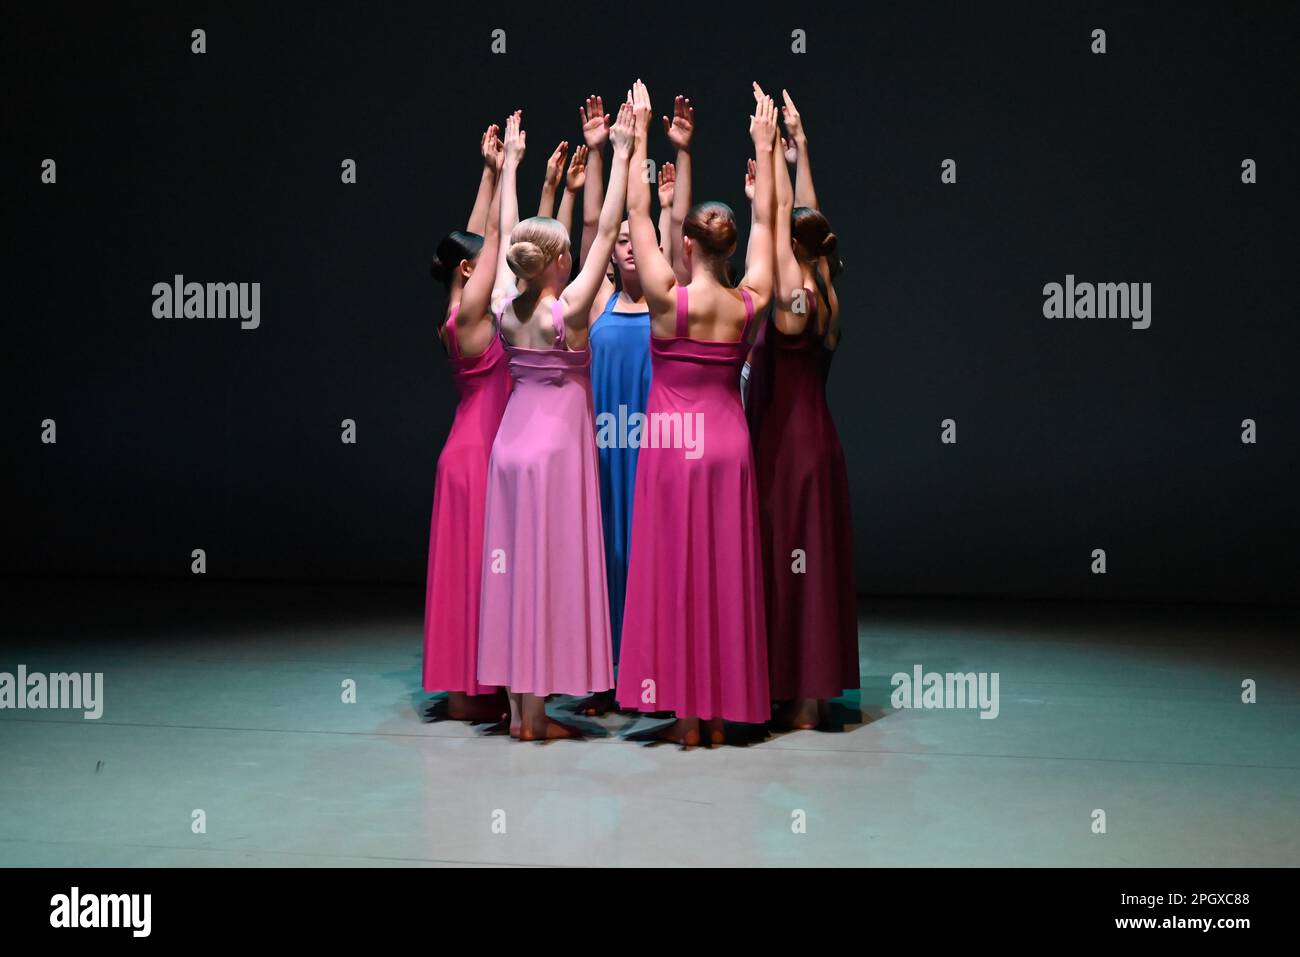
(683, 731)
(805, 714)
(714, 733)
(516, 714)
(537, 725)
(547, 730)
(456, 705)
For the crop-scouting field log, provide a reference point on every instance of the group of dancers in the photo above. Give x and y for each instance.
(719, 584)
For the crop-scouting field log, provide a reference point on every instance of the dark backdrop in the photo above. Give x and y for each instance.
(1073, 434)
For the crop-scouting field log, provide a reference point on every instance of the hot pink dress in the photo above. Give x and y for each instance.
(456, 532)
(694, 638)
(544, 618)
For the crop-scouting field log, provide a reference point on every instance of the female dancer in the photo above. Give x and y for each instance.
(544, 620)
(693, 633)
(803, 488)
(620, 382)
(478, 364)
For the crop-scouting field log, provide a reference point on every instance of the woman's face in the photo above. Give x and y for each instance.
(622, 256)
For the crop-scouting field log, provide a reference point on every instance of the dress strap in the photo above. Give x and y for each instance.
(453, 343)
(557, 320)
(749, 314)
(496, 320)
(682, 326)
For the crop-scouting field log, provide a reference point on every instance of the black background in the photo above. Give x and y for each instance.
(1073, 434)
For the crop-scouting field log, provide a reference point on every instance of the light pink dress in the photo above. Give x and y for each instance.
(544, 617)
(456, 529)
(694, 635)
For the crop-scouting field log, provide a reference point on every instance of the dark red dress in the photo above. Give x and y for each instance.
(807, 532)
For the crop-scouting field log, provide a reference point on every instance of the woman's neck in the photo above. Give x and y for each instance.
(529, 298)
(455, 292)
(632, 290)
(709, 271)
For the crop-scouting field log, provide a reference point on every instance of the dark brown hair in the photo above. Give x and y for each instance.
(713, 227)
(813, 237)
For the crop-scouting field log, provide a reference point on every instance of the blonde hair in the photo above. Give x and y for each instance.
(535, 243)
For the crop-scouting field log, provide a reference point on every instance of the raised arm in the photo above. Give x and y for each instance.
(680, 129)
(658, 281)
(506, 284)
(487, 182)
(749, 196)
(758, 262)
(788, 277)
(474, 318)
(804, 194)
(551, 182)
(595, 134)
(573, 181)
(667, 182)
(579, 294)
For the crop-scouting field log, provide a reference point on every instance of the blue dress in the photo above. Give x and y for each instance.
(620, 376)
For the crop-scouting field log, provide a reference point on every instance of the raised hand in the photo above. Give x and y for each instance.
(577, 175)
(790, 116)
(639, 97)
(515, 137)
(751, 173)
(762, 124)
(667, 183)
(622, 132)
(491, 148)
(682, 125)
(595, 122)
(555, 165)
(791, 151)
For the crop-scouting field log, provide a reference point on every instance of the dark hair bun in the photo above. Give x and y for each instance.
(453, 249)
(713, 227)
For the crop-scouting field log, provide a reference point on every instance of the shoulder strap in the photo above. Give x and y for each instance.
(501, 311)
(453, 343)
(682, 326)
(557, 320)
(749, 314)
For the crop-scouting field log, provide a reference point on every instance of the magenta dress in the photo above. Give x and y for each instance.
(803, 495)
(544, 618)
(693, 624)
(451, 605)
